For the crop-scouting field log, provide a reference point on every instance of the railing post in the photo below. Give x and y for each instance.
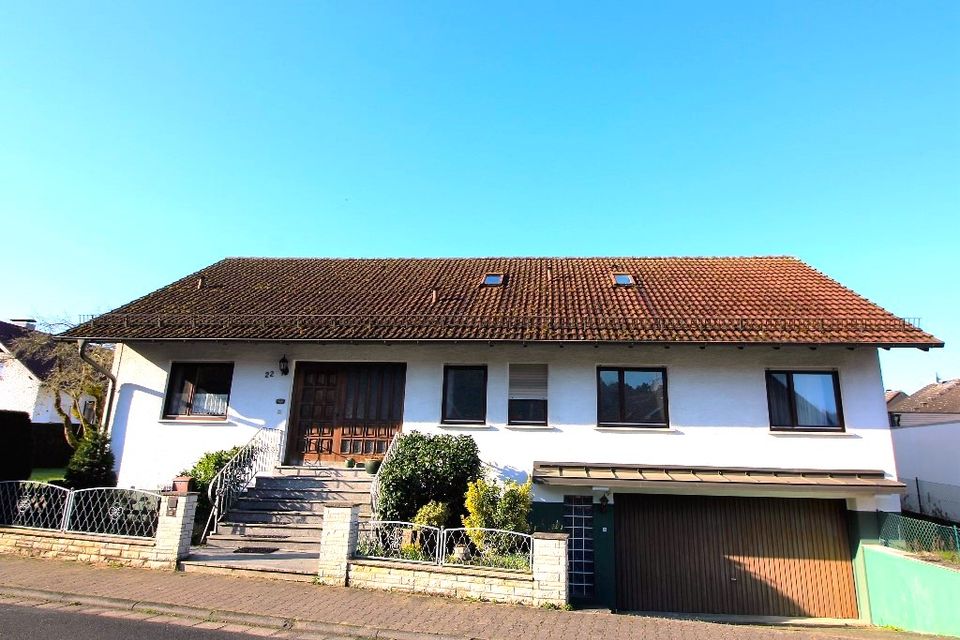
(956, 538)
(174, 527)
(550, 568)
(916, 481)
(338, 542)
(441, 544)
(67, 508)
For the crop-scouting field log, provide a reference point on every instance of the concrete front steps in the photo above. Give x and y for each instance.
(283, 511)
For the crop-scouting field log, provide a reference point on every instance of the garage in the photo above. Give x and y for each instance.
(733, 555)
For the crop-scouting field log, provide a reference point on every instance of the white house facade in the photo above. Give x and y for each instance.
(734, 401)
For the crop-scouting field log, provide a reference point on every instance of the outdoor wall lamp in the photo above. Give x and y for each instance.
(284, 366)
(604, 501)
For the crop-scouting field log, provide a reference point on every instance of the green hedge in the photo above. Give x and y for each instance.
(16, 450)
(424, 468)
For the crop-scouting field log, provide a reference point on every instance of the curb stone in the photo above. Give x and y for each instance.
(222, 615)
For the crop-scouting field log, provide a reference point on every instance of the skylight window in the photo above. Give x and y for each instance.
(623, 280)
(493, 280)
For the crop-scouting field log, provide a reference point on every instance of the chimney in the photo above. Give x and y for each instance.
(26, 323)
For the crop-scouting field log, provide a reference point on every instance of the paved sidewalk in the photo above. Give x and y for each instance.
(359, 612)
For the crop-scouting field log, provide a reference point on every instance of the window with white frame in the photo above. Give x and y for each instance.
(527, 395)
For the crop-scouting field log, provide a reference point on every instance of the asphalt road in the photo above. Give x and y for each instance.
(31, 623)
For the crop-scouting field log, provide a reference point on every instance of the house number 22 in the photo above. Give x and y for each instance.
(268, 374)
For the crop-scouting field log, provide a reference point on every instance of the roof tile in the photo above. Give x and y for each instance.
(698, 300)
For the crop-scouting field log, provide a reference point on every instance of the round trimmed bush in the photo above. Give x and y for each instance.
(424, 468)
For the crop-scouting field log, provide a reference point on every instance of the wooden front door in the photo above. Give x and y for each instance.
(752, 556)
(344, 410)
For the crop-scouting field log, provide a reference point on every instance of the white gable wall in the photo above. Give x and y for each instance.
(18, 387)
(21, 391)
(717, 405)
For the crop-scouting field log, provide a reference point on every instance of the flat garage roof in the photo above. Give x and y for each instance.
(625, 476)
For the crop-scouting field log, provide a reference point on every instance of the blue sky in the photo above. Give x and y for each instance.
(142, 141)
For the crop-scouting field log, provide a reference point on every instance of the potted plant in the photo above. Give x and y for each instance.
(183, 482)
(372, 466)
(351, 463)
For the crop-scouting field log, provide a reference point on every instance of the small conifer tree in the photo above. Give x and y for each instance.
(92, 463)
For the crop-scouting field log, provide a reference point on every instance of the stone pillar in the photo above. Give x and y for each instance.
(337, 542)
(175, 527)
(550, 569)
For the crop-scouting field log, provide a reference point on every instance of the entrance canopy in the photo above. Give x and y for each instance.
(626, 476)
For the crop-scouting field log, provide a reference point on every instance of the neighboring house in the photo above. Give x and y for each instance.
(892, 396)
(711, 432)
(926, 441)
(22, 389)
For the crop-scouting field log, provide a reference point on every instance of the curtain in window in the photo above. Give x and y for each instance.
(778, 396)
(816, 401)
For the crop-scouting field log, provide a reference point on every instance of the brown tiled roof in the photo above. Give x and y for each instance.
(939, 397)
(893, 396)
(637, 476)
(39, 364)
(697, 300)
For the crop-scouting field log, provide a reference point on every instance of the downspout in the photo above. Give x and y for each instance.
(111, 383)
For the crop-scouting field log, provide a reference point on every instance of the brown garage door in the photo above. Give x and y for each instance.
(754, 556)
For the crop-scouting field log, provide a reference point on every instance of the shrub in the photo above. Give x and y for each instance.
(91, 465)
(492, 506)
(424, 468)
(208, 466)
(203, 473)
(432, 514)
(16, 454)
(412, 551)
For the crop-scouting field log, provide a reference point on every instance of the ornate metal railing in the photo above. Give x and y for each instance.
(260, 454)
(113, 512)
(36, 505)
(461, 547)
(395, 540)
(491, 548)
(104, 511)
(375, 486)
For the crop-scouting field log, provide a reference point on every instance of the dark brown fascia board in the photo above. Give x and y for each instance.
(880, 345)
(694, 468)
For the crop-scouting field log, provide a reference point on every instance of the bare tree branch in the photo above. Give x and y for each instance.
(67, 377)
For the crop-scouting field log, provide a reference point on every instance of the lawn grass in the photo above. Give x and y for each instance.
(46, 475)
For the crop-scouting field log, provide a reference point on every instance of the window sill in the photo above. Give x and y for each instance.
(196, 421)
(465, 426)
(815, 434)
(629, 429)
(529, 427)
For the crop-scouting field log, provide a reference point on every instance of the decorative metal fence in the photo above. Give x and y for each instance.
(114, 512)
(102, 511)
(260, 454)
(494, 548)
(920, 536)
(32, 504)
(461, 547)
(396, 540)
